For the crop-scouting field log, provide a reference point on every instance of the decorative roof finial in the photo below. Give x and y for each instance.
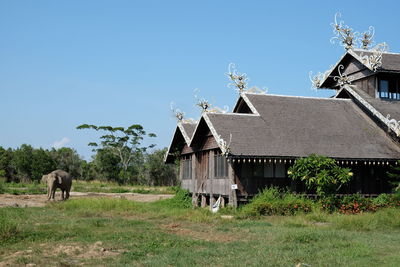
(343, 33)
(239, 80)
(374, 60)
(316, 80)
(225, 147)
(201, 102)
(342, 79)
(393, 124)
(366, 39)
(178, 114)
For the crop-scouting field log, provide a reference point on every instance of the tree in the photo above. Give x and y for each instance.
(29, 164)
(68, 159)
(5, 163)
(394, 176)
(156, 172)
(22, 162)
(320, 173)
(42, 163)
(125, 143)
(105, 166)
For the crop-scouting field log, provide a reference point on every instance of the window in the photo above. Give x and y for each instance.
(263, 170)
(383, 89)
(269, 170)
(220, 166)
(280, 170)
(258, 170)
(389, 88)
(274, 170)
(187, 167)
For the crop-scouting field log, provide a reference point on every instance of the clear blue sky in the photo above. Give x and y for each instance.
(64, 63)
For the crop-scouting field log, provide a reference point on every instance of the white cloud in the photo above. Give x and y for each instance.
(61, 143)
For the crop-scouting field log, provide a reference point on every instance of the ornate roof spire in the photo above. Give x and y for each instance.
(343, 33)
(239, 80)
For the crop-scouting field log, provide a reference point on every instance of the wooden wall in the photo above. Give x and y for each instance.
(203, 179)
(216, 186)
(368, 85)
(366, 180)
(359, 75)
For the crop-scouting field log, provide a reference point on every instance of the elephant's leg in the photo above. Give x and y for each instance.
(67, 193)
(62, 194)
(48, 192)
(53, 192)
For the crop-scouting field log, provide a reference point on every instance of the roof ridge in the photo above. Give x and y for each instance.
(183, 132)
(371, 51)
(235, 114)
(371, 108)
(306, 97)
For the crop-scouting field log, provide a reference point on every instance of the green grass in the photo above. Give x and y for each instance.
(22, 188)
(165, 234)
(109, 187)
(83, 186)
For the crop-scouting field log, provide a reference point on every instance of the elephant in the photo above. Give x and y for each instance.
(58, 179)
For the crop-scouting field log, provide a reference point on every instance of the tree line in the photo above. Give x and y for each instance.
(119, 156)
(28, 164)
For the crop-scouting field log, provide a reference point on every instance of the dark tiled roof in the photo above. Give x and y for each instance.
(189, 128)
(390, 61)
(179, 139)
(298, 126)
(385, 107)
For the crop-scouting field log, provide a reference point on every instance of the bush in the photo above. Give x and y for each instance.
(271, 201)
(2, 189)
(330, 203)
(182, 199)
(385, 218)
(382, 200)
(320, 173)
(354, 204)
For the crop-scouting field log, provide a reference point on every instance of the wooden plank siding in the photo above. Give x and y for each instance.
(209, 143)
(203, 168)
(186, 150)
(217, 186)
(203, 177)
(201, 173)
(368, 85)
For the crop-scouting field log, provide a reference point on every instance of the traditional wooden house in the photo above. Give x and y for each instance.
(234, 155)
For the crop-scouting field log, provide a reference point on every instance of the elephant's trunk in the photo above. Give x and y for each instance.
(44, 179)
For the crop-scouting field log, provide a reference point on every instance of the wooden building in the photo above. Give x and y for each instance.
(235, 155)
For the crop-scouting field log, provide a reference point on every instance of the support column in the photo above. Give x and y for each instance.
(203, 201)
(180, 169)
(212, 202)
(232, 194)
(211, 176)
(195, 196)
(222, 202)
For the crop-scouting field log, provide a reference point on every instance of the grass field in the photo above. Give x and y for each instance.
(118, 232)
(83, 186)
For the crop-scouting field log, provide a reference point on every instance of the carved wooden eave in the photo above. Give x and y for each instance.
(329, 74)
(180, 129)
(375, 113)
(243, 96)
(211, 127)
(222, 143)
(184, 133)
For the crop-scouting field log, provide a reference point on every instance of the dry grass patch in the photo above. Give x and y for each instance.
(62, 254)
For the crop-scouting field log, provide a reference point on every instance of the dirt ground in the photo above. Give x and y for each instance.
(8, 200)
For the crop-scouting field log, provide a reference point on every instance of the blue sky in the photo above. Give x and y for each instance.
(64, 63)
